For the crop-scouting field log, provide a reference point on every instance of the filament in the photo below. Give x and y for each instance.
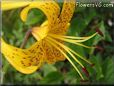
(71, 40)
(51, 42)
(66, 48)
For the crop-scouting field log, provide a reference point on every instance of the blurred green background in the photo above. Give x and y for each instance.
(83, 23)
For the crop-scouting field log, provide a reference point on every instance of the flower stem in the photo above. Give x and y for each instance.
(27, 35)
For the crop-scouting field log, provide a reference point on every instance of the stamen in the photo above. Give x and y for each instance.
(69, 37)
(51, 42)
(99, 32)
(99, 48)
(73, 41)
(80, 56)
(79, 44)
(74, 52)
(85, 71)
(92, 65)
(63, 46)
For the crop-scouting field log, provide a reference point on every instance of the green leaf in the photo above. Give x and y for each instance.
(108, 37)
(108, 70)
(52, 78)
(48, 68)
(79, 23)
(72, 77)
(97, 60)
(34, 17)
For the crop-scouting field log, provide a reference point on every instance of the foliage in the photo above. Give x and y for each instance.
(84, 22)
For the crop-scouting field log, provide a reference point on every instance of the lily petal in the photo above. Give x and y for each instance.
(40, 32)
(67, 11)
(50, 9)
(62, 23)
(24, 60)
(52, 54)
(8, 5)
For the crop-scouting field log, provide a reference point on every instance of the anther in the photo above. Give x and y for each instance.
(92, 65)
(99, 48)
(99, 32)
(85, 71)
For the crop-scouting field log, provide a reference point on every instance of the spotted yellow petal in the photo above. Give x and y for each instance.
(40, 32)
(62, 23)
(50, 9)
(52, 54)
(24, 60)
(8, 5)
(67, 11)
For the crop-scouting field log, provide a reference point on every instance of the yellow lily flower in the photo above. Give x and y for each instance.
(50, 37)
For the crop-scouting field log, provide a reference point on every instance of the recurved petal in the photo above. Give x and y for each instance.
(67, 11)
(49, 8)
(8, 5)
(24, 60)
(62, 23)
